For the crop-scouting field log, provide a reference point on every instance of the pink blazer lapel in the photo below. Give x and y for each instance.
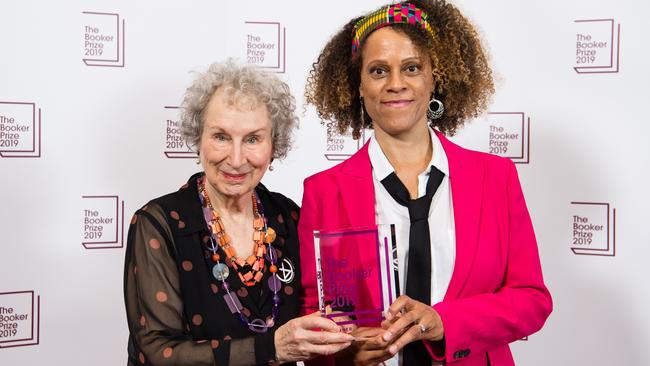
(357, 190)
(466, 177)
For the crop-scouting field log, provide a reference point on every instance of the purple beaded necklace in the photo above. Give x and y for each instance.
(220, 271)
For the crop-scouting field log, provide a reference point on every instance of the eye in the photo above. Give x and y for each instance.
(377, 71)
(252, 139)
(220, 137)
(413, 68)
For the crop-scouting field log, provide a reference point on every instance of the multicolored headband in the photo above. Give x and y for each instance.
(390, 14)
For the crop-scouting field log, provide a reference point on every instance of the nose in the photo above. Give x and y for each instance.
(396, 82)
(236, 156)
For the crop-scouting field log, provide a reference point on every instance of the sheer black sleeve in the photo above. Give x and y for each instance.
(154, 306)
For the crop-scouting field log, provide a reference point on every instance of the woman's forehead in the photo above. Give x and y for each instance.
(389, 43)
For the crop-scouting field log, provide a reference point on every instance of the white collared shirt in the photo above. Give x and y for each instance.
(441, 219)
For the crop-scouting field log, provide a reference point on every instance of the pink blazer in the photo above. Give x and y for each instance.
(496, 294)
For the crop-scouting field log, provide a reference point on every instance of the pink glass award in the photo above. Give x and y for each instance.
(356, 273)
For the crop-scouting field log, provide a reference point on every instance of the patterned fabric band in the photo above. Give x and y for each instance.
(390, 14)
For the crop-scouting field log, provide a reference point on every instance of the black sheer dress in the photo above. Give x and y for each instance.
(175, 307)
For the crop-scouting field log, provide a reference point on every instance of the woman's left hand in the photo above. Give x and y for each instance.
(408, 320)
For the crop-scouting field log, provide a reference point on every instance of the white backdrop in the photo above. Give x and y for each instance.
(87, 97)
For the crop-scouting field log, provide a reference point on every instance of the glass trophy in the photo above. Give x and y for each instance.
(356, 272)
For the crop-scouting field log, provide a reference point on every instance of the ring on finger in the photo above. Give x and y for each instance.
(423, 328)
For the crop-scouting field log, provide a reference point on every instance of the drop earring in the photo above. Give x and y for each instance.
(363, 112)
(271, 165)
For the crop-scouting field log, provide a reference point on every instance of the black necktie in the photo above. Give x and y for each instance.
(418, 275)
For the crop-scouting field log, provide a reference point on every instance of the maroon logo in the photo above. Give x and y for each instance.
(103, 222)
(593, 229)
(103, 39)
(597, 46)
(175, 146)
(20, 314)
(20, 130)
(506, 134)
(340, 147)
(265, 45)
(509, 136)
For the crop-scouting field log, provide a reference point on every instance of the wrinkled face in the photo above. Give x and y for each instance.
(236, 146)
(396, 83)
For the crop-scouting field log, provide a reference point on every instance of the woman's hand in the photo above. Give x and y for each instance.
(369, 348)
(408, 320)
(299, 339)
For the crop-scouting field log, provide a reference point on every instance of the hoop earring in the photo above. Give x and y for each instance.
(438, 111)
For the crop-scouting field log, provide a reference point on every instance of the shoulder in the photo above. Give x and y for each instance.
(492, 163)
(182, 199)
(325, 176)
(357, 165)
(171, 199)
(181, 210)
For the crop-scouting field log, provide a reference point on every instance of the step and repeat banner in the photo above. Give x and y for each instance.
(89, 132)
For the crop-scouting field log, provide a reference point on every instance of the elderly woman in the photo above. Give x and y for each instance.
(468, 260)
(212, 271)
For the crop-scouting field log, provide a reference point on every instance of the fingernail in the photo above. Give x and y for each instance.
(392, 349)
(387, 336)
(389, 316)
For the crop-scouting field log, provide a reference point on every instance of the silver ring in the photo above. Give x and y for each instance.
(423, 329)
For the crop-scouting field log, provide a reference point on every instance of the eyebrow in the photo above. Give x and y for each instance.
(408, 59)
(219, 129)
(256, 131)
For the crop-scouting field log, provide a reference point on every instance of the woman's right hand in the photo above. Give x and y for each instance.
(299, 339)
(369, 348)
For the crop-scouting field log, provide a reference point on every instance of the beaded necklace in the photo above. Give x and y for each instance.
(253, 267)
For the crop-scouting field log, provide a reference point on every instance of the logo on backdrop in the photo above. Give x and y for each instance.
(340, 147)
(593, 229)
(103, 222)
(175, 146)
(20, 130)
(19, 319)
(265, 45)
(597, 46)
(103, 39)
(508, 135)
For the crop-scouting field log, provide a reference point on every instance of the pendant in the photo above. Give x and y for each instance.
(270, 236)
(258, 326)
(286, 271)
(220, 271)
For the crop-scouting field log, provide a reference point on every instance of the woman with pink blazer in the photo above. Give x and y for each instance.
(414, 72)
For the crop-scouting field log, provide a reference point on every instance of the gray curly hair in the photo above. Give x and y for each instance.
(241, 83)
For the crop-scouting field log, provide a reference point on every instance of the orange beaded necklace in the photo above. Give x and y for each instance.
(251, 269)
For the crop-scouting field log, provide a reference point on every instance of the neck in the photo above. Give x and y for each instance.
(410, 151)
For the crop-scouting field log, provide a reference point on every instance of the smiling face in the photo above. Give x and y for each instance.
(236, 145)
(396, 83)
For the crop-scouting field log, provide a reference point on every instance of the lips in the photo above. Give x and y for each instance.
(399, 103)
(234, 177)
